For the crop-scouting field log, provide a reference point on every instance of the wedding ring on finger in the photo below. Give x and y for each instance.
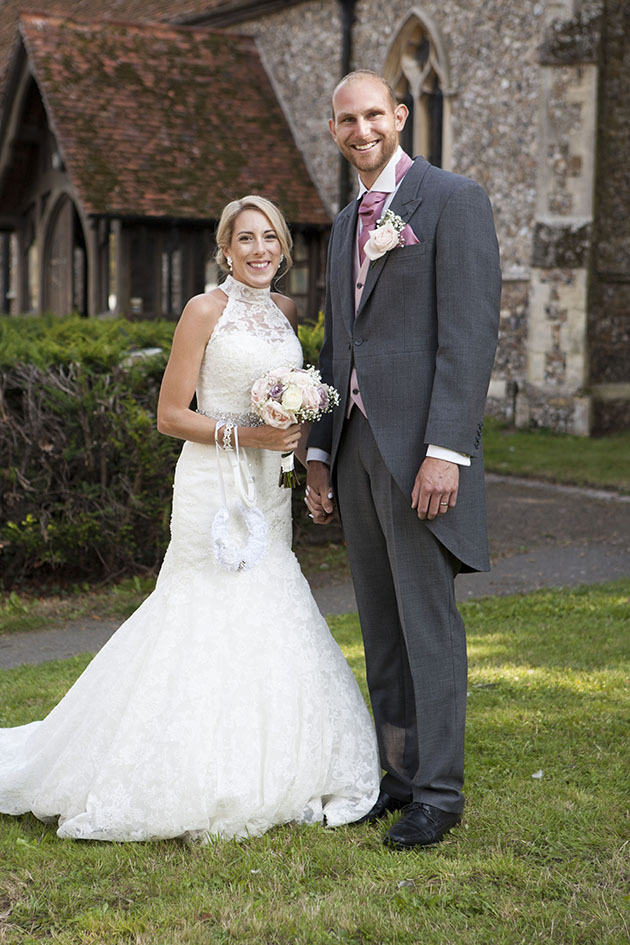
(444, 503)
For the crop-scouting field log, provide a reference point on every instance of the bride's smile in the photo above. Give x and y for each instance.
(254, 250)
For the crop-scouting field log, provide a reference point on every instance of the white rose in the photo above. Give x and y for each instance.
(381, 240)
(292, 397)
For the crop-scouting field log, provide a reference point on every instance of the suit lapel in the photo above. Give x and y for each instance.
(405, 203)
(344, 264)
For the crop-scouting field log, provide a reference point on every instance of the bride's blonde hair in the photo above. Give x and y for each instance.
(225, 229)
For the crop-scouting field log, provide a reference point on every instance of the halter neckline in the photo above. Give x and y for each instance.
(245, 293)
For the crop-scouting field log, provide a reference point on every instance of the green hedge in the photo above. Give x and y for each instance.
(85, 478)
(311, 335)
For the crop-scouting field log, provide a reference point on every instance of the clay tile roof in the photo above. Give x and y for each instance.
(140, 10)
(155, 120)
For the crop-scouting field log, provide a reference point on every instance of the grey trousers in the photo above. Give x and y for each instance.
(414, 637)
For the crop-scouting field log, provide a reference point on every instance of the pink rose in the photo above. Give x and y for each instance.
(301, 378)
(278, 375)
(311, 398)
(276, 416)
(259, 391)
(381, 240)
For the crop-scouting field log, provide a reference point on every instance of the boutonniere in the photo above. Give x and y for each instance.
(386, 235)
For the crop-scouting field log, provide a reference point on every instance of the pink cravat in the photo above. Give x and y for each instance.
(369, 212)
(372, 203)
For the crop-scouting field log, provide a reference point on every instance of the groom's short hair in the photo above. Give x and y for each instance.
(357, 74)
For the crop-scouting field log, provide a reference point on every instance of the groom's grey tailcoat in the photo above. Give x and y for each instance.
(423, 341)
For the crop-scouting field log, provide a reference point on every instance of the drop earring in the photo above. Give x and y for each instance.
(229, 263)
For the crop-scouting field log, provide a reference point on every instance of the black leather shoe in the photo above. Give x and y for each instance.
(420, 826)
(385, 804)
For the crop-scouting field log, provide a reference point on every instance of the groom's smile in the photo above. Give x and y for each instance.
(365, 124)
(365, 147)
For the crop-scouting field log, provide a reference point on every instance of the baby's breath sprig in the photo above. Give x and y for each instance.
(391, 218)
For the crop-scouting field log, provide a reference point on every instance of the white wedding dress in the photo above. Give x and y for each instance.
(223, 706)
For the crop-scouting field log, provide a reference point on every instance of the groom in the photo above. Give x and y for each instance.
(410, 338)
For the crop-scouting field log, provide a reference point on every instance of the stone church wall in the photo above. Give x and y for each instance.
(494, 75)
(517, 75)
(491, 52)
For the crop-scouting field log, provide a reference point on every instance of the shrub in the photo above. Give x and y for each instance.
(85, 479)
(311, 335)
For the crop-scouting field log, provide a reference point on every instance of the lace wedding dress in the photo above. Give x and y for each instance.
(223, 706)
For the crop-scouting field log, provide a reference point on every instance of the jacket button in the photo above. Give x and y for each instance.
(358, 341)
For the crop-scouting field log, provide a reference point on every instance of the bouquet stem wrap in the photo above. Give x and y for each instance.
(288, 476)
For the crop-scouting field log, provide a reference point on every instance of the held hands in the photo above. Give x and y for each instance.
(435, 489)
(319, 498)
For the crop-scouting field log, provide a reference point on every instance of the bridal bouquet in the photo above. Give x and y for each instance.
(291, 395)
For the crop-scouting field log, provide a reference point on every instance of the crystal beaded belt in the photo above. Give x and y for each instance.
(238, 419)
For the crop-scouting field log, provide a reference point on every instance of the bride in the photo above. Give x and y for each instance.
(223, 705)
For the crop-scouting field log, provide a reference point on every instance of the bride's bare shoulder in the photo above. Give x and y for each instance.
(199, 318)
(203, 311)
(206, 305)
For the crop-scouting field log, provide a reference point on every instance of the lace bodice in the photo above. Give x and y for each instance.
(251, 337)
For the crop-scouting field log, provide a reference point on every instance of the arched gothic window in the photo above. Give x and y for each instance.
(416, 68)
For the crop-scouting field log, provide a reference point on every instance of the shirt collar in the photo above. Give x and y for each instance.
(386, 181)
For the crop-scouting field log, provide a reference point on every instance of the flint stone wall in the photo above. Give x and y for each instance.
(501, 59)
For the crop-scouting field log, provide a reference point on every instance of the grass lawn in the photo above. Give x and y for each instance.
(559, 457)
(540, 857)
(22, 611)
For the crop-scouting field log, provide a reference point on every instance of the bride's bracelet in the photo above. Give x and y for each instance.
(229, 430)
(227, 435)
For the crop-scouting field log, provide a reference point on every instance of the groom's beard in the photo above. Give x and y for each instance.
(373, 160)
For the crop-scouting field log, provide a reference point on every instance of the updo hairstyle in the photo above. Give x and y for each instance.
(225, 229)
